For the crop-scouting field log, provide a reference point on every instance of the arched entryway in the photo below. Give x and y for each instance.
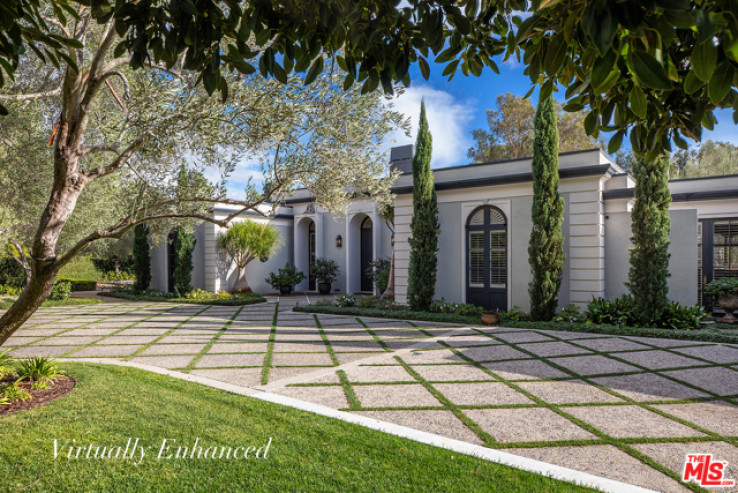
(367, 253)
(486, 258)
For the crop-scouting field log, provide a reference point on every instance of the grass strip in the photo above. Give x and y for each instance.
(266, 368)
(212, 341)
(374, 335)
(472, 425)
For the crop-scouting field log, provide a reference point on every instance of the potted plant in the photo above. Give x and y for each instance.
(724, 293)
(491, 317)
(325, 272)
(285, 279)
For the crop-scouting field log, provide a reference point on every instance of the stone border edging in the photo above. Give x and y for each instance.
(478, 451)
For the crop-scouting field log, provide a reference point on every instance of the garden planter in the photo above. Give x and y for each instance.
(324, 287)
(490, 318)
(285, 290)
(729, 304)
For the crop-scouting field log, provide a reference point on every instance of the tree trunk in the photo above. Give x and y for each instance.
(389, 291)
(241, 285)
(23, 262)
(35, 292)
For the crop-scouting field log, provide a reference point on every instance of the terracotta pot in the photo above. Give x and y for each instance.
(285, 290)
(490, 318)
(729, 304)
(324, 288)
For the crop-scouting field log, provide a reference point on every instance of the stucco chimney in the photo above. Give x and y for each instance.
(401, 158)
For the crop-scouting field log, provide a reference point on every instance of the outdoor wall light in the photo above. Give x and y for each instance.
(392, 240)
(339, 241)
(263, 258)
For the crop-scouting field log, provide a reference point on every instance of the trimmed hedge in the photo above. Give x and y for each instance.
(77, 284)
(246, 299)
(378, 312)
(704, 335)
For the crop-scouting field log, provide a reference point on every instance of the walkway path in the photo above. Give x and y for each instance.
(624, 408)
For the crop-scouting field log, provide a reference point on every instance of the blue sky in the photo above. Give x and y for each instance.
(458, 106)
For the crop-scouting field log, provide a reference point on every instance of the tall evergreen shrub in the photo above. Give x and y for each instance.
(184, 245)
(424, 225)
(649, 257)
(546, 245)
(141, 257)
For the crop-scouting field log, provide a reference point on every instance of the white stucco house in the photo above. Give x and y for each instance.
(484, 212)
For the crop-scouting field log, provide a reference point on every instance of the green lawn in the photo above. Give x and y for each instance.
(308, 452)
(7, 301)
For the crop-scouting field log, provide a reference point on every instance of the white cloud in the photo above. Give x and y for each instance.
(236, 182)
(447, 117)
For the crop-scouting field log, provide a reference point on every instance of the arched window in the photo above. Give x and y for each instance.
(486, 259)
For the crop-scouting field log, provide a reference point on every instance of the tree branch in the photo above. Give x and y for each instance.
(31, 95)
(117, 164)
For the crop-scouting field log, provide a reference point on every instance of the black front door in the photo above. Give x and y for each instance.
(311, 255)
(367, 254)
(718, 254)
(486, 258)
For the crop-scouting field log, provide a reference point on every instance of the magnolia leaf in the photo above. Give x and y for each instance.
(638, 103)
(650, 71)
(720, 83)
(703, 59)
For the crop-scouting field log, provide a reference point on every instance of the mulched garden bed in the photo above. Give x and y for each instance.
(59, 387)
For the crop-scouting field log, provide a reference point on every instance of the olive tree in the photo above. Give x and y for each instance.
(244, 242)
(129, 132)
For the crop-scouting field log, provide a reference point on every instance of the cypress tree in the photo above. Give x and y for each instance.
(184, 245)
(424, 225)
(546, 246)
(141, 257)
(649, 257)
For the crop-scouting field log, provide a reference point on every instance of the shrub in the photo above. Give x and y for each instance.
(141, 257)
(367, 302)
(116, 276)
(183, 246)
(443, 306)
(15, 282)
(61, 291)
(39, 369)
(346, 300)
(570, 313)
(379, 271)
(79, 284)
(7, 368)
(390, 305)
(617, 311)
(726, 286)
(9, 290)
(677, 317)
(324, 302)
(15, 393)
(324, 270)
(286, 276)
(514, 314)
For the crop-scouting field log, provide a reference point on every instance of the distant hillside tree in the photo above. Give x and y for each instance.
(510, 131)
